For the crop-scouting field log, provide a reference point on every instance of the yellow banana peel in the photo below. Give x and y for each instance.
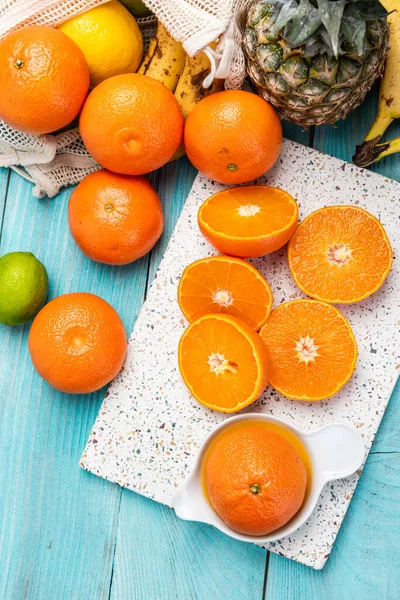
(190, 90)
(164, 59)
(148, 56)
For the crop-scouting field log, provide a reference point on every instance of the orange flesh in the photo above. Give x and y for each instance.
(312, 350)
(340, 254)
(283, 431)
(223, 362)
(227, 212)
(225, 285)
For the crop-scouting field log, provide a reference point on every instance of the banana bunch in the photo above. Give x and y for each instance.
(167, 62)
(371, 150)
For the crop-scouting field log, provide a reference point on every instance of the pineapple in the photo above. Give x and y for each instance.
(315, 60)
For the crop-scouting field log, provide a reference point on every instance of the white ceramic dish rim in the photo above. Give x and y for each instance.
(336, 450)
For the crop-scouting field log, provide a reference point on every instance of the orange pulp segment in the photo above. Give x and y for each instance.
(312, 349)
(340, 254)
(222, 284)
(223, 362)
(248, 221)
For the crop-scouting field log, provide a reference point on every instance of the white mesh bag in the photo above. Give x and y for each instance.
(54, 161)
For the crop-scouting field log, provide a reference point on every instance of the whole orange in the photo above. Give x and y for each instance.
(44, 79)
(77, 343)
(131, 124)
(115, 219)
(255, 479)
(233, 136)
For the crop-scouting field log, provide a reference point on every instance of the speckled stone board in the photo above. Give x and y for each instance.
(149, 428)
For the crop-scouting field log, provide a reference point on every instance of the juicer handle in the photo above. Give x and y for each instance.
(181, 505)
(337, 451)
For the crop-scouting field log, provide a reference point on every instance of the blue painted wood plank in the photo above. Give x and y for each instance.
(296, 133)
(57, 523)
(159, 557)
(173, 186)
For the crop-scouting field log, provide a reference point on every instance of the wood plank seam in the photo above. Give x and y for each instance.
(264, 591)
(115, 544)
(5, 203)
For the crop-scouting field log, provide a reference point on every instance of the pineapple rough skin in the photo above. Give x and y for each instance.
(309, 90)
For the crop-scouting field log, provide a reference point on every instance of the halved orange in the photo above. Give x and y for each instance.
(223, 362)
(312, 349)
(248, 221)
(340, 254)
(222, 284)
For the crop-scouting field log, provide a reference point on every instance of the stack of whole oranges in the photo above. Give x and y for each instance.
(131, 124)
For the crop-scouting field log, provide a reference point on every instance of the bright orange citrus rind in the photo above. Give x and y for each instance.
(248, 221)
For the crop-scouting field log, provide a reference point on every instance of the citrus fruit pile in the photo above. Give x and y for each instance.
(132, 121)
(131, 108)
(338, 254)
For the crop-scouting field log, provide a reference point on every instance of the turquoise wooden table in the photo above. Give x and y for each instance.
(68, 535)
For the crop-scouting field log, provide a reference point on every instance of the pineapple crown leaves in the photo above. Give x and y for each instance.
(324, 25)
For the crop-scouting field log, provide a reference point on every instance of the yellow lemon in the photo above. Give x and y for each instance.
(110, 39)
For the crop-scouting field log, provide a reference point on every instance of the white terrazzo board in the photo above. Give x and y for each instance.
(149, 428)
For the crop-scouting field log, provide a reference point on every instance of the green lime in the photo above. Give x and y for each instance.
(136, 7)
(23, 287)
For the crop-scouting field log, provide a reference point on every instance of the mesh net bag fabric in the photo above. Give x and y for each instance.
(54, 161)
(196, 23)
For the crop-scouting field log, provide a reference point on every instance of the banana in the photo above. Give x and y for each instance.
(389, 97)
(190, 91)
(148, 57)
(164, 59)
